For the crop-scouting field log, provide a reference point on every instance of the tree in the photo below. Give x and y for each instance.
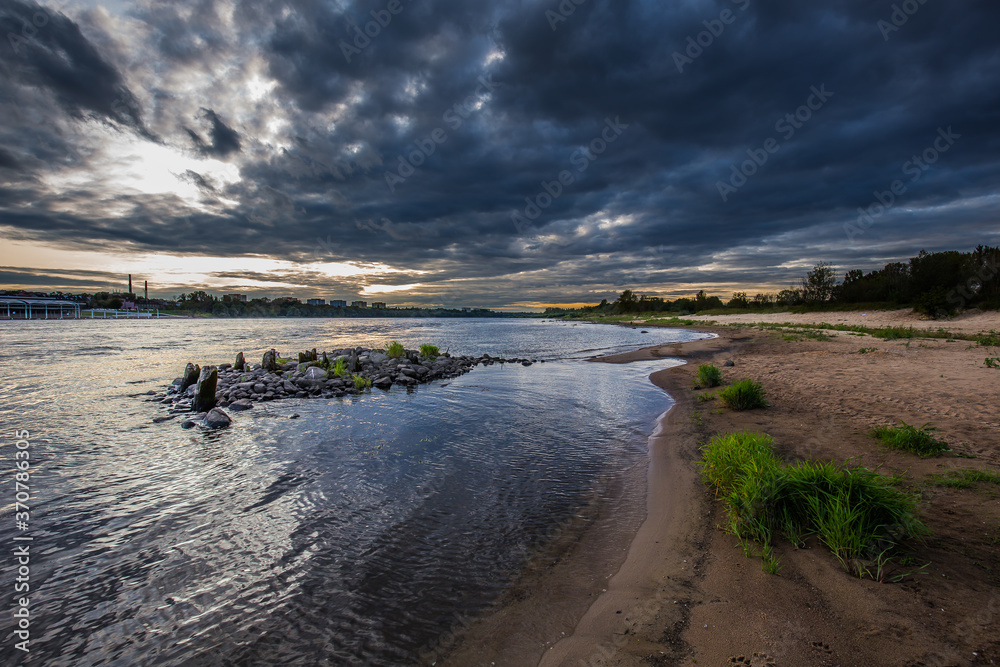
(817, 286)
(626, 302)
(739, 300)
(789, 297)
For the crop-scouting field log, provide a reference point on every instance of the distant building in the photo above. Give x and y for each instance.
(316, 302)
(378, 304)
(359, 304)
(338, 303)
(242, 298)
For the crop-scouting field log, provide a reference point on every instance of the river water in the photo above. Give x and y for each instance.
(354, 534)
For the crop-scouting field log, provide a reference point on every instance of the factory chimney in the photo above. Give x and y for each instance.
(130, 283)
(145, 289)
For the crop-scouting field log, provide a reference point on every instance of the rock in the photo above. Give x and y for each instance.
(525, 363)
(728, 362)
(379, 357)
(259, 388)
(294, 416)
(240, 362)
(188, 423)
(315, 373)
(643, 331)
(241, 404)
(383, 382)
(204, 392)
(159, 420)
(191, 372)
(269, 361)
(217, 418)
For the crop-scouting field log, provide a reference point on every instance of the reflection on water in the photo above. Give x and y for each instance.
(355, 534)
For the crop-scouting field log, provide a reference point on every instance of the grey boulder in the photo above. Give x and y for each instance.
(217, 418)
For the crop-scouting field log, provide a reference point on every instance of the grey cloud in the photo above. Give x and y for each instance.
(645, 213)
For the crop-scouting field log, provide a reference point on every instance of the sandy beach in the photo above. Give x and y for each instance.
(685, 593)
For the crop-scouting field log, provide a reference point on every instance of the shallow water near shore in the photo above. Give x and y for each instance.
(355, 534)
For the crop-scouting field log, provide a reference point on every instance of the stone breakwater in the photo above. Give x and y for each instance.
(200, 394)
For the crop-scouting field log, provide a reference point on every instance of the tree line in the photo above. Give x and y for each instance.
(939, 284)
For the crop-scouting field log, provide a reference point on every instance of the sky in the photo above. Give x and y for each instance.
(509, 154)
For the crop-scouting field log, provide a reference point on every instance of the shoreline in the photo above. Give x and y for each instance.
(687, 593)
(653, 585)
(562, 609)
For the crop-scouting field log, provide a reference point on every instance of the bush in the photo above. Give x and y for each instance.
(858, 514)
(910, 439)
(429, 351)
(744, 394)
(709, 375)
(395, 350)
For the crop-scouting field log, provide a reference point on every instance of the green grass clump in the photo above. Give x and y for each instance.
(992, 362)
(744, 394)
(709, 375)
(991, 339)
(895, 333)
(866, 350)
(395, 350)
(429, 351)
(361, 382)
(964, 479)
(339, 368)
(706, 397)
(858, 514)
(910, 439)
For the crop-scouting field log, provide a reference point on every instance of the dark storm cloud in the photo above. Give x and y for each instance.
(45, 49)
(741, 135)
(222, 140)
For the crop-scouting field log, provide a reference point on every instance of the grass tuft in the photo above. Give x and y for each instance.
(395, 350)
(709, 375)
(744, 394)
(429, 351)
(991, 339)
(964, 479)
(911, 439)
(858, 514)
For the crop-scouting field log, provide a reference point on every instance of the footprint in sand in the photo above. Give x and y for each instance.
(820, 646)
(756, 660)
